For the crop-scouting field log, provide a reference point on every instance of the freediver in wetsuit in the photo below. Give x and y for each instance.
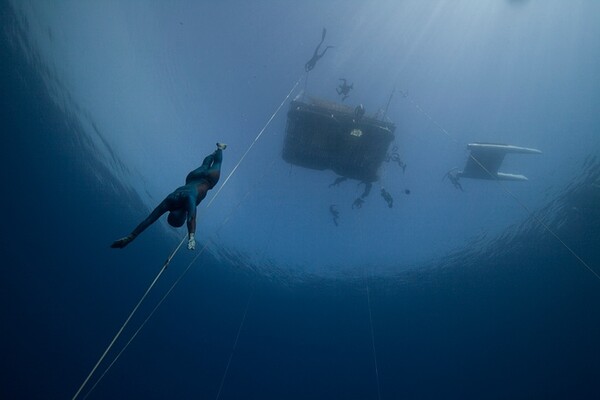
(358, 203)
(387, 197)
(344, 89)
(453, 177)
(335, 213)
(182, 202)
(310, 64)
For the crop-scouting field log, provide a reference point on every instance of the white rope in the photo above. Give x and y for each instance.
(165, 265)
(539, 221)
(254, 142)
(169, 260)
(237, 337)
(373, 340)
(162, 300)
(145, 321)
(247, 304)
(511, 194)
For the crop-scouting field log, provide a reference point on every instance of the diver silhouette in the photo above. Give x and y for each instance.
(344, 89)
(453, 177)
(335, 213)
(358, 203)
(310, 64)
(182, 202)
(387, 197)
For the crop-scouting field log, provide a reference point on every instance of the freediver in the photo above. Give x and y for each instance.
(316, 56)
(344, 89)
(182, 202)
(358, 203)
(336, 214)
(387, 197)
(453, 177)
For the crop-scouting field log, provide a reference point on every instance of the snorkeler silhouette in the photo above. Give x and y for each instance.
(453, 177)
(387, 197)
(316, 56)
(336, 214)
(358, 203)
(344, 89)
(182, 202)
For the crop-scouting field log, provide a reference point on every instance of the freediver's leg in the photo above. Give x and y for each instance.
(322, 40)
(368, 186)
(207, 160)
(217, 156)
(202, 170)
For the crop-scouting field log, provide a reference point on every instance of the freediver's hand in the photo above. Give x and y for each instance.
(192, 242)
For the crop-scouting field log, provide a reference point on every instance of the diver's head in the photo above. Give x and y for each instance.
(176, 218)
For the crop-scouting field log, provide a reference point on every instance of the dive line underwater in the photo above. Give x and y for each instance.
(480, 164)
(406, 200)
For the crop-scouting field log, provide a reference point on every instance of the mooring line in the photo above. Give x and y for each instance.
(373, 339)
(254, 142)
(237, 337)
(165, 265)
(506, 190)
(168, 261)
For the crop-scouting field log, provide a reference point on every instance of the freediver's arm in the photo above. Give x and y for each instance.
(191, 222)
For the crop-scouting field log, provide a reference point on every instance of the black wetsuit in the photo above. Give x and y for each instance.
(182, 202)
(209, 171)
(310, 64)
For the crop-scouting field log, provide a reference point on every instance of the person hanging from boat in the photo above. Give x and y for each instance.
(182, 202)
(453, 176)
(310, 64)
(344, 89)
(359, 201)
(334, 213)
(387, 197)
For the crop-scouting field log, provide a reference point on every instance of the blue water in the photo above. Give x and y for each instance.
(448, 295)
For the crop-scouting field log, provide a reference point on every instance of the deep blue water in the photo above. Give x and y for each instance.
(513, 317)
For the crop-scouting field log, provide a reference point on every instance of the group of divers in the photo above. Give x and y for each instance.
(181, 204)
(343, 90)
